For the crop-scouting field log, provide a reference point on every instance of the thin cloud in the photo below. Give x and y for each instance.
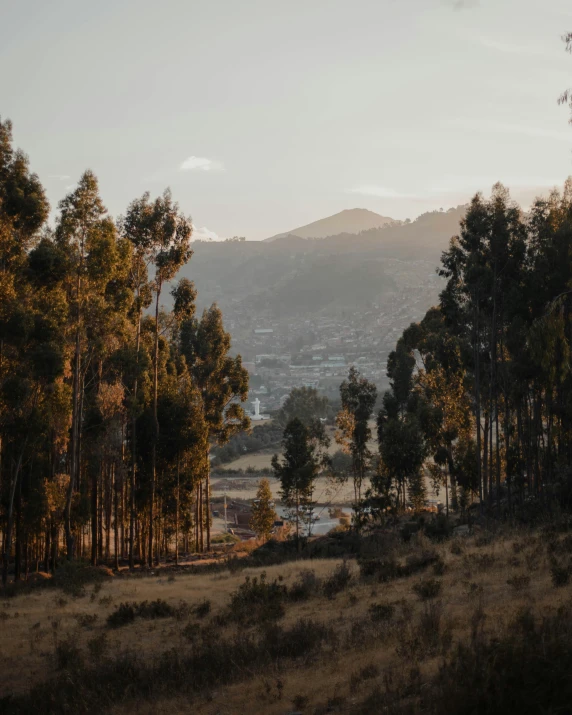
(200, 163)
(202, 233)
(59, 177)
(380, 192)
(461, 188)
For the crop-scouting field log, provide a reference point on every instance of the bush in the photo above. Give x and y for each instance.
(519, 582)
(481, 562)
(306, 585)
(72, 577)
(338, 581)
(123, 614)
(439, 528)
(97, 646)
(525, 670)
(560, 574)
(209, 662)
(256, 599)
(304, 637)
(86, 620)
(381, 612)
(388, 569)
(68, 655)
(366, 673)
(202, 609)
(428, 589)
(127, 612)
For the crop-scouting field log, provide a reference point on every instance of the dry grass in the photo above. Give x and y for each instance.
(485, 580)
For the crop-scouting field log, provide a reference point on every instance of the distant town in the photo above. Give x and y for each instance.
(316, 351)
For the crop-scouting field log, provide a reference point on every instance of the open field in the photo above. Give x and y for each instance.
(370, 632)
(263, 458)
(325, 491)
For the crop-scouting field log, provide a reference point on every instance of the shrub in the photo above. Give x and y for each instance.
(203, 608)
(560, 574)
(97, 646)
(207, 663)
(519, 582)
(86, 620)
(337, 581)
(524, 670)
(428, 589)
(306, 585)
(154, 609)
(304, 637)
(123, 614)
(127, 612)
(482, 562)
(68, 655)
(256, 599)
(439, 528)
(430, 628)
(366, 673)
(381, 612)
(73, 577)
(388, 569)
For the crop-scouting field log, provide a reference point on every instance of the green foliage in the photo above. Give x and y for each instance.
(306, 404)
(263, 513)
(358, 397)
(297, 471)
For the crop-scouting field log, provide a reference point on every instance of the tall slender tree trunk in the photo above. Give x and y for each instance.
(177, 511)
(208, 501)
(486, 455)
(116, 520)
(75, 414)
(10, 525)
(201, 519)
(155, 422)
(477, 352)
(134, 443)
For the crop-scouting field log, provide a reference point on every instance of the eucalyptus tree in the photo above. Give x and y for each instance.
(358, 396)
(221, 379)
(23, 210)
(161, 236)
(296, 471)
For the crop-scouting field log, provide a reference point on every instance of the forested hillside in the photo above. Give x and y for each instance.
(108, 404)
(291, 275)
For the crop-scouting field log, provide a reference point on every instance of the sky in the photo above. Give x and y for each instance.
(264, 115)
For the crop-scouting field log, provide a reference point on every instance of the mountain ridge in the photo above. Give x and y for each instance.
(348, 221)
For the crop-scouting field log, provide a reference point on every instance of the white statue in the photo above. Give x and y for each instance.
(256, 404)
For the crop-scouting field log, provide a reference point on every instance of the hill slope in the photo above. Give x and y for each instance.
(350, 221)
(291, 275)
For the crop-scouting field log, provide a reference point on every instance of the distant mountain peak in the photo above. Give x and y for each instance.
(351, 221)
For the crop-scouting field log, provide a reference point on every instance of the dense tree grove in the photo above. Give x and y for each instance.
(107, 412)
(481, 388)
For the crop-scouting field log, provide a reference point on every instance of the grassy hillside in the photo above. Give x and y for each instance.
(479, 624)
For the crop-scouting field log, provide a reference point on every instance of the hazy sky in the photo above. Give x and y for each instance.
(262, 115)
